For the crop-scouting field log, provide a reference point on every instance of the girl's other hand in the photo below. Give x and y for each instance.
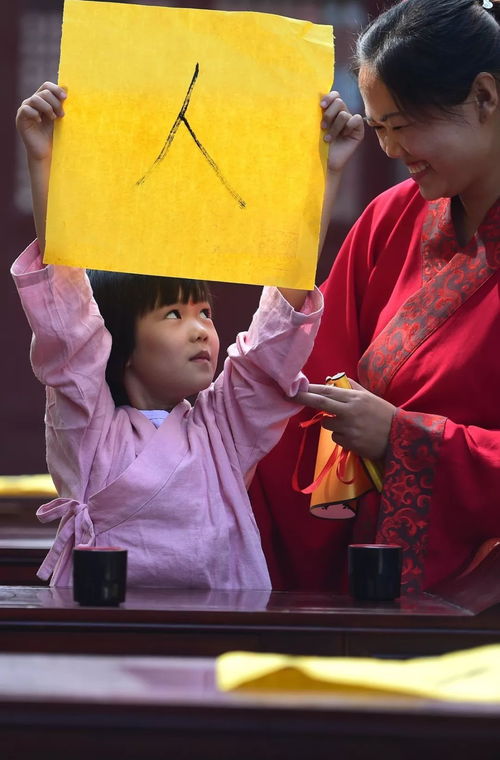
(361, 421)
(35, 119)
(343, 130)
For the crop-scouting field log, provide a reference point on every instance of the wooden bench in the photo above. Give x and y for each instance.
(136, 707)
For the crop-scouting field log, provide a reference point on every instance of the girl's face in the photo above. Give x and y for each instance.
(175, 355)
(445, 156)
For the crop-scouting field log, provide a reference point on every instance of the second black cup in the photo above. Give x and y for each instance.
(374, 571)
(99, 575)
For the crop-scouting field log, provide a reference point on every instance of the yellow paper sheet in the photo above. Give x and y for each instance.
(472, 675)
(231, 187)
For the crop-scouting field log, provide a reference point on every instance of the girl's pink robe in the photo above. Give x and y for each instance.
(175, 496)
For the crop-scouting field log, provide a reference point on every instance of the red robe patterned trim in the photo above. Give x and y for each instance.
(450, 278)
(412, 455)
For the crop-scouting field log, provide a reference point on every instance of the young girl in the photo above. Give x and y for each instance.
(134, 463)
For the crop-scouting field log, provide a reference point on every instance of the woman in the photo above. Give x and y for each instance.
(412, 313)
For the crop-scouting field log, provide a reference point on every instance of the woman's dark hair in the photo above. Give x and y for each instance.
(428, 52)
(122, 299)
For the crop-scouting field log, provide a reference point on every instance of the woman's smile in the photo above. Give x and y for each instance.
(418, 169)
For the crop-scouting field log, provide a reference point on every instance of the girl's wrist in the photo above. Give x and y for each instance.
(39, 161)
(334, 172)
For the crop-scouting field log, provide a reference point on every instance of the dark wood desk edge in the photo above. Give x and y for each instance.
(27, 556)
(33, 627)
(301, 619)
(61, 712)
(26, 603)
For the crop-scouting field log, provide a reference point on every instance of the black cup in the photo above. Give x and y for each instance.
(99, 575)
(374, 571)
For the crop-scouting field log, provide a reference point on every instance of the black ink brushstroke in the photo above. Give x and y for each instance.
(214, 165)
(175, 126)
(168, 142)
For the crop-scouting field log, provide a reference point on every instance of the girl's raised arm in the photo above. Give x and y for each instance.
(344, 132)
(35, 124)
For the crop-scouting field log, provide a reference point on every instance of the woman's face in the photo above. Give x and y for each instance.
(445, 156)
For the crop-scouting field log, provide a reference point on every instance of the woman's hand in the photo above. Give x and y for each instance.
(343, 130)
(362, 420)
(35, 120)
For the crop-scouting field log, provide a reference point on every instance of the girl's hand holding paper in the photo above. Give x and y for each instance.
(345, 130)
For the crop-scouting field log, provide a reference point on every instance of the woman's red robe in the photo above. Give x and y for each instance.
(415, 319)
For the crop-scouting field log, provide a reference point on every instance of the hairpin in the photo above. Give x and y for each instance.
(487, 4)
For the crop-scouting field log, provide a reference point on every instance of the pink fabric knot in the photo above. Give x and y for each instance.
(76, 528)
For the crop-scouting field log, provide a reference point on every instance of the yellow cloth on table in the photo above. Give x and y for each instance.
(27, 486)
(472, 675)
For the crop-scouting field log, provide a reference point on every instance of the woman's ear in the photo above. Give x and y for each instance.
(484, 92)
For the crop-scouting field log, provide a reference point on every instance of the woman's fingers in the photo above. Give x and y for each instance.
(359, 421)
(325, 398)
(313, 400)
(355, 386)
(330, 391)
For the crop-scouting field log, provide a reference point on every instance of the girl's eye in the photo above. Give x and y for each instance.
(173, 314)
(207, 313)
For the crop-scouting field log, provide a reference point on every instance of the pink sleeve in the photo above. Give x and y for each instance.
(69, 352)
(262, 373)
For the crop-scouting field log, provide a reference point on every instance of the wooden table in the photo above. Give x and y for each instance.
(134, 707)
(206, 623)
(24, 542)
(20, 559)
